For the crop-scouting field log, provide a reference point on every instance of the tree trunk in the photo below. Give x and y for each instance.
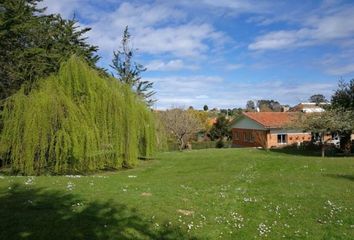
(323, 147)
(181, 144)
(323, 150)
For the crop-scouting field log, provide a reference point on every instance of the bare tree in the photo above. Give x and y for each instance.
(181, 124)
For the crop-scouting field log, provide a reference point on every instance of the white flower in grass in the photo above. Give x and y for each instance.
(70, 186)
(29, 181)
(263, 230)
(73, 176)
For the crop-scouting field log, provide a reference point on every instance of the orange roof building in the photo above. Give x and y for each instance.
(267, 130)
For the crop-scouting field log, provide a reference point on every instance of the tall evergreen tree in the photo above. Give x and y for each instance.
(129, 72)
(33, 45)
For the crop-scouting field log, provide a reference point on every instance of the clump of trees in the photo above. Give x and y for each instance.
(263, 105)
(75, 121)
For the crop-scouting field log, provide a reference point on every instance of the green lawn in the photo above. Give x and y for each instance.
(201, 194)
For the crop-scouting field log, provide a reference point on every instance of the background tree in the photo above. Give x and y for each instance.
(250, 106)
(203, 118)
(33, 45)
(269, 106)
(344, 95)
(343, 101)
(181, 124)
(129, 72)
(318, 98)
(205, 108)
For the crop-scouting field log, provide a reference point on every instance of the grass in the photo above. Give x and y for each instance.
(201, 194)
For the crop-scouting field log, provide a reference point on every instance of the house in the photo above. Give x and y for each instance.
(267, 129)
(309, 107)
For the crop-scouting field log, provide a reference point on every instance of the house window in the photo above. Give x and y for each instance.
(236, 136)
(251, 137)
(245, 136)
(282, 138)
(248, 137)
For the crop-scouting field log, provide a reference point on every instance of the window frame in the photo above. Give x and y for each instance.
(283, 138)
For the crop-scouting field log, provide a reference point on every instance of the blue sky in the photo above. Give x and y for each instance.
(225, 52)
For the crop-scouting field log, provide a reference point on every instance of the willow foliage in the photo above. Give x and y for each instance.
(75, 121)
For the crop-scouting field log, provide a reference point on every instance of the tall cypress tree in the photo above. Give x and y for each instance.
(33, 45)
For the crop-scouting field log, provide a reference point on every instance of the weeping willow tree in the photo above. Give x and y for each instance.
(75, 121)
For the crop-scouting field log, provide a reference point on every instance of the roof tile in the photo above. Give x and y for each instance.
(272, 119)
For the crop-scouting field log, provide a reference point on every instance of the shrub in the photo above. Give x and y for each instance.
(219, 144)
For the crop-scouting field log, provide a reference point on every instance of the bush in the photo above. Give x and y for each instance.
(219, 144)
(199, 145)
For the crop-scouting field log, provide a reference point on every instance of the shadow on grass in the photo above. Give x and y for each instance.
(37, 214)
(343, 176)
(330, 152)
(293, 151)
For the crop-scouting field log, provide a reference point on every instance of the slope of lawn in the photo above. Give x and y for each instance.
(201, 194)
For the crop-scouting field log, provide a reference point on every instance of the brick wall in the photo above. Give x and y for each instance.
(263, 138)
(290, 138)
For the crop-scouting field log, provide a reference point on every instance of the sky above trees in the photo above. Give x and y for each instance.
(223, 53)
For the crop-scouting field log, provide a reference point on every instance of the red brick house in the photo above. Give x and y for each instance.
(267, 130)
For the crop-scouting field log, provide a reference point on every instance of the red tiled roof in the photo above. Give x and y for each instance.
(271, 119)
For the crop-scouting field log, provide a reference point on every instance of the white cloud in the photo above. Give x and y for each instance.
(341, 70)
(150, 35)
(155, 28)
(65, 7)
(243, 6)
(228, 7)
(171, 65)
(316, 30)
(234, 66)
(216, 92)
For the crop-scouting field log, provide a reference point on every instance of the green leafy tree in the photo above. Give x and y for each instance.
(129, 72)
(250, 106)
(33, 45)
(269, 106)
(205, 108)
(316, 123)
